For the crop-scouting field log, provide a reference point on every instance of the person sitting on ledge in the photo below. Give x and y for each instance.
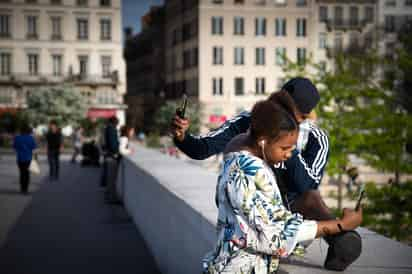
(254, 227)
(299, 177)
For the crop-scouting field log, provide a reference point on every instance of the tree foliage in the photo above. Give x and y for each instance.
(382, 203)
(61, 103)
(363, 117)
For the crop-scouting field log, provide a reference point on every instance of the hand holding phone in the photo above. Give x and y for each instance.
(361, 195)
(181, 111)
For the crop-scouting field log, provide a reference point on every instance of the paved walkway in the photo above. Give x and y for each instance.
(65, 227)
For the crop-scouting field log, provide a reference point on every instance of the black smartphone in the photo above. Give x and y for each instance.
(181, 111)
(361, 194)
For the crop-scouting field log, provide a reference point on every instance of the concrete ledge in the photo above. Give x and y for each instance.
(172, 204)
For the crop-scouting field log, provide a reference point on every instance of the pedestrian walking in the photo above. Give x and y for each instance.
(54, 146)
(24, 144)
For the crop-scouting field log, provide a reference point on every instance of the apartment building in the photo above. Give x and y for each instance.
(145, 68)
(393, 14)
(50, 42)
(344, 25)
(228, 54)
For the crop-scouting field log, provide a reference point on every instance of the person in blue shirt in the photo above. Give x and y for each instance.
(298, 177)
(24, 144)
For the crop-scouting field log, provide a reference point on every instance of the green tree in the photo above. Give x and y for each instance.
(166, 112)
(11, 122)
(363, 119)
(61, 103)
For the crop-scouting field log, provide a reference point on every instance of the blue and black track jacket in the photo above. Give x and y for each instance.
(301, 172)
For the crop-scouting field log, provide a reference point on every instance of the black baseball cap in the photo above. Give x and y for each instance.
(304, 93)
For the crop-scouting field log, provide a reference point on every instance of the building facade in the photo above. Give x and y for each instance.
(145, 65)
(228, 54)
(51, 42)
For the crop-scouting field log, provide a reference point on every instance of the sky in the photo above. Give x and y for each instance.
(133, 10)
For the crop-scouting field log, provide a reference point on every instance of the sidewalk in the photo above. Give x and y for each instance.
(67, 228)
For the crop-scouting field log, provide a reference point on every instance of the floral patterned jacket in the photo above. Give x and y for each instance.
(254, 227)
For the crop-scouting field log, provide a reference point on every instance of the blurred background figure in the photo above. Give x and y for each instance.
(24, 144)
(77, 143)
(126, 134)
(54, 146)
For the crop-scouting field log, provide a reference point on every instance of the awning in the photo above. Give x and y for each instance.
(100, 113)
(217, 119)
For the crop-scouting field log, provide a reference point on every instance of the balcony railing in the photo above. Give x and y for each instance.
(351, 24)
(90, 79)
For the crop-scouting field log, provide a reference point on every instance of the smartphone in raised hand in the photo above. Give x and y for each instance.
(181, 111)
(360, 197)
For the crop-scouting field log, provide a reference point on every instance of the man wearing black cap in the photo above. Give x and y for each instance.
(298, 177)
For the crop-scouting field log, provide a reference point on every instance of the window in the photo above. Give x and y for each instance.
(106, 66)
(5, 63)
(217, 1)
(338, 15)
(33, 60)
(260, 56)
(260, 85)
(32, 27)
(31, 1)
(5, 25)
(186, 34)
(354, 16)
(322, 40)
(260, 26)
(390, 3)
(353, 40)
(301, 27)
(81, 2)
(241, 2)
(239, 25)
(106, 97)
(57, 64)
(56, 2)
(239, 56)
(369, 14)
(105, 29)
(408, 2)
(323, 14)
(83, 66)
(82, 29)
(338, 42)
(217, 56)
(301, 3)
(389, 23)
(280, 56)
(218, 86)
(239, 86)
(105, 3)
(56, 28)
(301, 56)
(190, 57)
(177, 36)
(6, 96)
(217, 25)
(280, 27)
